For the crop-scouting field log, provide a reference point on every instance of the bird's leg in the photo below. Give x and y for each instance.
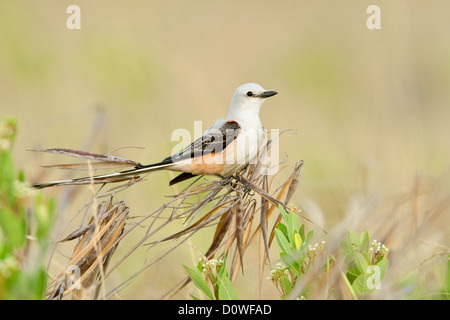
(246, 187)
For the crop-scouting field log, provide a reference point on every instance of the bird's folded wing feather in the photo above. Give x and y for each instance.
(215, 139)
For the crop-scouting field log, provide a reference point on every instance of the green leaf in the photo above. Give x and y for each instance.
(383, 264)
(302, 231)
(287, 260)
(282, 241)
(294, 220)
(290, 230)
(309, 237)
(291, 223)
(197, 277)
(226, 289)
(193, 297)
(286, 284)
(297, 241)
(361, 262)
(365, 242)
(292, 262)
(200, 265)
(283, 229)
(351, 276)
(349, 287)
(353, 239)
(283, 213)
(359, 285)
(223, 269)
(353, 269)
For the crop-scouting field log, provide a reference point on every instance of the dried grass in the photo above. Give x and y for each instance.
(231, 205)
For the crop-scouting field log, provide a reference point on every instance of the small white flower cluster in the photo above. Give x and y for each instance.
(313, 250)
(378, 248)
(210, 266)
(316, 247)
(280, 270)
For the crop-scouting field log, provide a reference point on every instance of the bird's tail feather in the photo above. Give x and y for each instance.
(108, 178)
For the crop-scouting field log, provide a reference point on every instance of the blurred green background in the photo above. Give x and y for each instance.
(371, 107)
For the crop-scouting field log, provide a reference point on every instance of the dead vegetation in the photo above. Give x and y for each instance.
(238, 208)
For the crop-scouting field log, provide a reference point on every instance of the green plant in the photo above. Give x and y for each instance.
(22, 212)
(366, 263)
(296, 253)
(211, 277)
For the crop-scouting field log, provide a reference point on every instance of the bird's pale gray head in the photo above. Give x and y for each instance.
(251, 94)
(247, 101)
(252, 91)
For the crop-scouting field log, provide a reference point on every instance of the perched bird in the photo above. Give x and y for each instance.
(225, 148)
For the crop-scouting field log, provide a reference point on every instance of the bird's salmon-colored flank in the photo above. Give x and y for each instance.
(212, 163)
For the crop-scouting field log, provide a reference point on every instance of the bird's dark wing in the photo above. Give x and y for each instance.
(214, 140)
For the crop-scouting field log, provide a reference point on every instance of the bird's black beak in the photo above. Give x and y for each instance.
(267, 94)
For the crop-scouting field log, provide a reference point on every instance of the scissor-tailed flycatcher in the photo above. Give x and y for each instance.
(224, 148)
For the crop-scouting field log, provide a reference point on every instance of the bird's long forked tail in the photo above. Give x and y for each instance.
(105, 178)
(101, 162)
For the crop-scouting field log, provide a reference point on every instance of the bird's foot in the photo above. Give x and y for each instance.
(246, 188)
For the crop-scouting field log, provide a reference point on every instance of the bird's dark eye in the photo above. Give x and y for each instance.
(249, 93)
